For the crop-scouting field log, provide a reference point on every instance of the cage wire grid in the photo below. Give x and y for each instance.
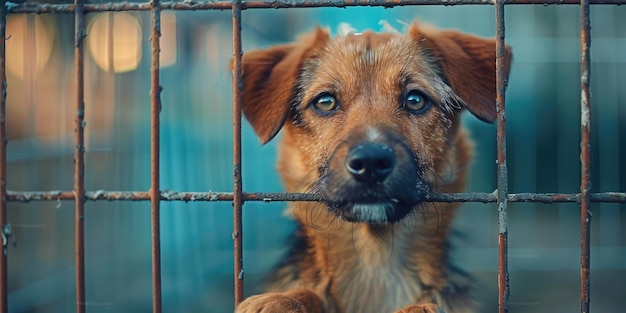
(79, 195)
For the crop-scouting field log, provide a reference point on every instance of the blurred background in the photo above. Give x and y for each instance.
(543, 156)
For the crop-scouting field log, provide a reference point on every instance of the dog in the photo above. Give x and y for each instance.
(370, 123)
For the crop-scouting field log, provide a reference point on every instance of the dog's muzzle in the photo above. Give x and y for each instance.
(372, 179)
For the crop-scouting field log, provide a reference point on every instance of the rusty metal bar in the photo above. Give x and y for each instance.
(5, 228)
(79, 155)
(503, 179)
(155, 134)
(227, 5)
(237, 183)
(585, 156)
(28, 196)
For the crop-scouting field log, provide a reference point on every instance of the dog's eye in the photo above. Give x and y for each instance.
(325, 103)
(416, 102)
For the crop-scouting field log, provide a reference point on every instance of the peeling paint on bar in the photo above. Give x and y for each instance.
(585, 157)
(155, 193)
(28, 196)
(238, 196)
(227, 5)
(79, 155)
(502, 176)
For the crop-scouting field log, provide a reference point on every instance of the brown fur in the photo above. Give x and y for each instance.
(352, 258)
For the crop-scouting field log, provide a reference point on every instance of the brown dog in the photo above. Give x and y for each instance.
(371, 123)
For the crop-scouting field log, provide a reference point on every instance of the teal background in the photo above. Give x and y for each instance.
(543, 122)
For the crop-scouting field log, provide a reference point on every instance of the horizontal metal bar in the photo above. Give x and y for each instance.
(13, 8)
(28, 196)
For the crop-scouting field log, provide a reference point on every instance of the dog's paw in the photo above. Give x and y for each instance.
(421, 308)
(271, 303)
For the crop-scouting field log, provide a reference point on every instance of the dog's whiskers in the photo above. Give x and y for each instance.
(391, 230)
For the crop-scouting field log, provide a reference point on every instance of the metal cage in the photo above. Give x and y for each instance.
(79, 195)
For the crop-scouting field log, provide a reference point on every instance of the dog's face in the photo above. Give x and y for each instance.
(371, 120)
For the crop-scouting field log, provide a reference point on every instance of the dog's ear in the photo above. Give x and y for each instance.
(269, 81)
(469, 65)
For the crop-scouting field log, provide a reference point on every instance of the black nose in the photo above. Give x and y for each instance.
(370, 163)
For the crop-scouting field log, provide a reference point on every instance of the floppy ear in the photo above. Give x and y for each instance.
(269, 81)
(469, 65)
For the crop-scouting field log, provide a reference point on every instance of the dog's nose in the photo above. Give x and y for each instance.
(370, 163)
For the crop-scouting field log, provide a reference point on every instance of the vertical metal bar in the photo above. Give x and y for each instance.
(4, 226)
(79, 156)
(237, 188)
(585, 157)
(155, 192)
(503, 186)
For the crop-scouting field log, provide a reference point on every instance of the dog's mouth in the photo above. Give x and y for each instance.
(373, 182)
(355, 203)
(372, 212)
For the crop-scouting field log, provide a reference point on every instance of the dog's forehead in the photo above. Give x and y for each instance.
(368, 39)
(371, 48)
(392, 56)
